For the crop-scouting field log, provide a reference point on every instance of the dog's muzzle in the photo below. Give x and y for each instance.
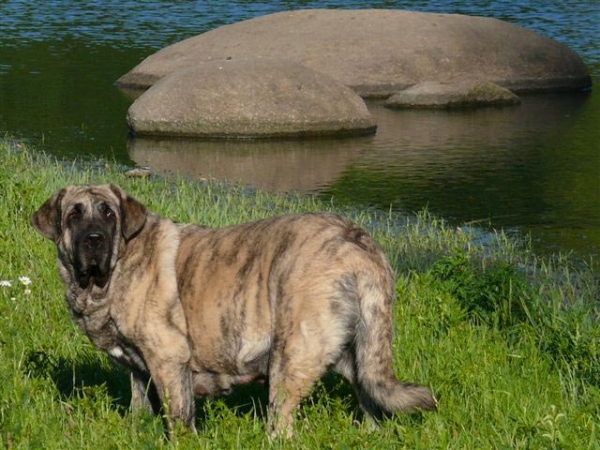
(92, 258)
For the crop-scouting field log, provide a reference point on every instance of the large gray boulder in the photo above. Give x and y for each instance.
(249, 99)
(380, 52)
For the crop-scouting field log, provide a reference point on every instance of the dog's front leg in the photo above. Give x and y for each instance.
(173, 381)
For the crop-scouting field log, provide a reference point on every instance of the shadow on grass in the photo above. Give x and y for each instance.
(253, 398)
(246, 399)
(90, 376)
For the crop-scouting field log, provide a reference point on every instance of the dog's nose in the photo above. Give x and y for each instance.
(94, 240)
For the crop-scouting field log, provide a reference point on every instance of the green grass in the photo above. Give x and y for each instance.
(508, 341)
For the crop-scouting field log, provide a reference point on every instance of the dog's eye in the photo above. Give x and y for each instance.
(75, 214)
(107, 211)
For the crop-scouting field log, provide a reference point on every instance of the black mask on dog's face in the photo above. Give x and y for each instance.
(92, 230)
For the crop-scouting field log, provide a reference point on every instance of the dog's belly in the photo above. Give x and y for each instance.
(215, 376)
(253, 355)
(236, 359)
(208, 384)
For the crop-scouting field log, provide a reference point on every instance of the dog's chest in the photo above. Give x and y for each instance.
(121, 349)
(129, 356)
(103, 330)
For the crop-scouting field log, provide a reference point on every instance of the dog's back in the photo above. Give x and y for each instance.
(289, 297)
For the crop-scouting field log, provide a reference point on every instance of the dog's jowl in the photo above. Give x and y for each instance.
(193, 310)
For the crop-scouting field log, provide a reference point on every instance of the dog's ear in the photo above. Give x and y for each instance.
(47, 219)
(133, 213)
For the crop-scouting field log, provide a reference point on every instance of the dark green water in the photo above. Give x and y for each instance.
(531, 169)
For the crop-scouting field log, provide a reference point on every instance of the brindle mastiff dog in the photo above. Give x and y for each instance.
(194, 310)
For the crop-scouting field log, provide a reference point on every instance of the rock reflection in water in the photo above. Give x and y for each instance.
(274, 165)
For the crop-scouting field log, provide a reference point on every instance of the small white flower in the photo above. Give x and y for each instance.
(27, 291)
(25, 280)
(5, 283)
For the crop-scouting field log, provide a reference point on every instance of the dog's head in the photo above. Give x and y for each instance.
(88, 223)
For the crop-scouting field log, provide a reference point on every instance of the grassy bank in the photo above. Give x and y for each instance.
(510, 343)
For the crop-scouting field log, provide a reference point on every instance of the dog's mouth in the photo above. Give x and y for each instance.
(95, 272)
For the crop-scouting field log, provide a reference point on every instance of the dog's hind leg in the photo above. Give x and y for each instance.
(301, 355)
(346, 366)
(289, 383)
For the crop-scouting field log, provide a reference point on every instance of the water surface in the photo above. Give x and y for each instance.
(533, 168)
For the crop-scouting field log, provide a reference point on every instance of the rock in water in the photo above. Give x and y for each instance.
(463, 94)
(255, 98)
(380, 52)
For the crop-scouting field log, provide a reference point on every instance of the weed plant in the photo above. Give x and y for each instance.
(508, 341)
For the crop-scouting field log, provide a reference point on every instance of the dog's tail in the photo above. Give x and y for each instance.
(380, 393)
